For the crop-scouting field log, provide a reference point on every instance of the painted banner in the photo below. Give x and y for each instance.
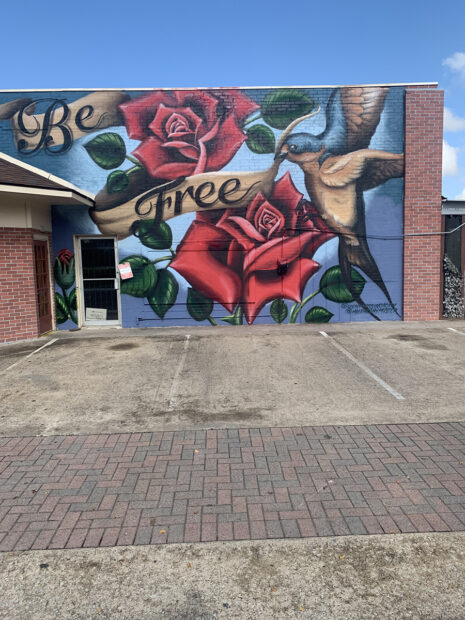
(61, 124)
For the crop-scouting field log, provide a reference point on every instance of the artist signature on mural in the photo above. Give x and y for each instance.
(382, 308)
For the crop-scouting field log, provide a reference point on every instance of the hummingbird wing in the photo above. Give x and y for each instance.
(334, 136)
(352, 115)
(362, 110)
(371, 168)
(378, 171)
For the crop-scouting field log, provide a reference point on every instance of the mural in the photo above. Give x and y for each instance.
(229, 205)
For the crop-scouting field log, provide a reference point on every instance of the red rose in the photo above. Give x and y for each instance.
(64, 256)
(236, 258)
(187, 132)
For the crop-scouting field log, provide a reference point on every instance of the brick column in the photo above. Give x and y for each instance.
(18, 296)
(422, 203)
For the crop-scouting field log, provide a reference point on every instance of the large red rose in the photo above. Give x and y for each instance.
(187, 132)
(254, 255)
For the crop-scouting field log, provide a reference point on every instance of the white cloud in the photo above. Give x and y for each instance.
(452, 122)
(456, 63)
(461, 196)
(449, 159)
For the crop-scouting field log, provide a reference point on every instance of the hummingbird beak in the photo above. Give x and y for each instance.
(283, 153)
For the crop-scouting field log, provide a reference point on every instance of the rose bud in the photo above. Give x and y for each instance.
(63, 269)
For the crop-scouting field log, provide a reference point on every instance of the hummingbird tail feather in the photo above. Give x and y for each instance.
(369, 266)
(361, 257)
(346, 267)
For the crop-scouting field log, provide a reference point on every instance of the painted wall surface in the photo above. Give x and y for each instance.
(232, 206)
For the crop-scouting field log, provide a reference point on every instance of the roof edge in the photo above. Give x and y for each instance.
(47, 175)
(30, 190)
(149, 88)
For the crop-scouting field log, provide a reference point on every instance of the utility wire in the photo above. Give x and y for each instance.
(399, 237)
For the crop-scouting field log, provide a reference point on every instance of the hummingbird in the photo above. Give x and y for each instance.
(339, 167)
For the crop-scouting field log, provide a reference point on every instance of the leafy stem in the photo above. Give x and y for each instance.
(296, 308)
(133, 169)
(161, 259)
(134, 161)
(253, 118)
(72, 315)
(236, 318)
(211, 320)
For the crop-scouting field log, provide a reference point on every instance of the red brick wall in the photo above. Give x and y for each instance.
(18, 308)
(422, 203)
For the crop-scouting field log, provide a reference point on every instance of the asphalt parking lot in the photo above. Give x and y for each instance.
(86, 509)
(116, 380)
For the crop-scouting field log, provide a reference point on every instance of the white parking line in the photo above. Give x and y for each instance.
(174, 385)
(456, 331)
(362, 366)
(47, 344)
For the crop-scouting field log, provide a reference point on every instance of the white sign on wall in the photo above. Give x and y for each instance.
(96, 314)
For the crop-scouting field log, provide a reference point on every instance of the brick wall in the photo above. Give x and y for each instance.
(422, 203)
(18, 308)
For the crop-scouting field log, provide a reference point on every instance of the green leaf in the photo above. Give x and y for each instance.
(64, 274)
(317, 314)
(334, 288)
(145, 277)
(159, 237)
(198, 306)
(73, 299)
(260, 139)
(236, 318)
(61, 309)
(163, 296)
(117, 181)
(278, 310)
(283, 106)
(107, 150)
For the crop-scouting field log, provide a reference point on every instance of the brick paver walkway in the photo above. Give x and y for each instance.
(149, 488)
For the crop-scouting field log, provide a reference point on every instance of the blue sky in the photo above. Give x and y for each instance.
(142, 43)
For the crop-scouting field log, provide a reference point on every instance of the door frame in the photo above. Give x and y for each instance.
(36, 238)
(79, 283)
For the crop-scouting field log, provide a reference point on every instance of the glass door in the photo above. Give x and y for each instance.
(100, 299)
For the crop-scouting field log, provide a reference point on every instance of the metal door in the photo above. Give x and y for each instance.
(44, 306)
(99, 290)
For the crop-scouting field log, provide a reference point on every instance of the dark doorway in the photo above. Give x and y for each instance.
(453, 267)
(100, 281)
